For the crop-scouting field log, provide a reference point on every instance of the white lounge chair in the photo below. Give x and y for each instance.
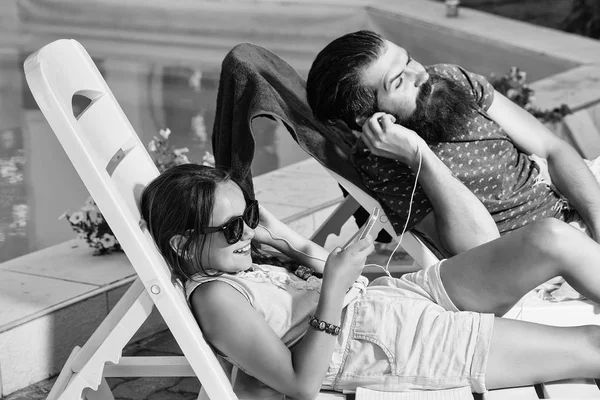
(114, 165)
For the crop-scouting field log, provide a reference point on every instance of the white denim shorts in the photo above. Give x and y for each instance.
(406, 334)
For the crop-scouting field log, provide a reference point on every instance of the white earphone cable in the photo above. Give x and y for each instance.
(386, 269)
(387, 265)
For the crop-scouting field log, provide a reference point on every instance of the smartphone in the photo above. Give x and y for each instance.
(365, 230)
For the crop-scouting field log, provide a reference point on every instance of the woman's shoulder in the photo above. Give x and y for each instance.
(213, 297)
(199, 281)
(216, 288)
(213, 290)
(217, 306)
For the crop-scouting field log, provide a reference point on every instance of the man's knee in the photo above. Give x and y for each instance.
(548, 236)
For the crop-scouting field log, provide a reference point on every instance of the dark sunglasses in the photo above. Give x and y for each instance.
(234, 228)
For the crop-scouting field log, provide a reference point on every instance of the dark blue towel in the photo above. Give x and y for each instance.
(254, 83)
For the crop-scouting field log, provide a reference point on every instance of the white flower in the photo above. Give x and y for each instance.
(182, 159)
(152, 146)
(208, 159)
(107, 241)
(89, 205)
(76, 218)
(95, 217)
(94, 236)
(165, 133)
(180, 152)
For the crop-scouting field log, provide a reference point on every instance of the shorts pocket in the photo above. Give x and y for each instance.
(393, 334)
(371, 345)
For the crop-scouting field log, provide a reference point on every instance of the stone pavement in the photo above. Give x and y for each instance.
(171, 388)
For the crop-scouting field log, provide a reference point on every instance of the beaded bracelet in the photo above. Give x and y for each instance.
(323, 326)
(303, 272)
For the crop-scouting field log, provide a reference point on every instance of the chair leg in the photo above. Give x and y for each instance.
(84, 369)
(202, 395)
(64, 377)
(102, 393)
(334, 223)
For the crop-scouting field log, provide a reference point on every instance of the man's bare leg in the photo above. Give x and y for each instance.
(491, 278)
(524, 353)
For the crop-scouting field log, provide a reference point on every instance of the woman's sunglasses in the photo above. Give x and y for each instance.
(234, 228)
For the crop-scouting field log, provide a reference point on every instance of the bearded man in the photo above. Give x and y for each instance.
(497, 149)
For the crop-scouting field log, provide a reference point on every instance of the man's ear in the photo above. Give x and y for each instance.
(177, 242)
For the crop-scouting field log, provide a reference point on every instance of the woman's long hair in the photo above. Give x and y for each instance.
(180, 201)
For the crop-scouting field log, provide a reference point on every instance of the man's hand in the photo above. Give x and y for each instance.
(386, 139)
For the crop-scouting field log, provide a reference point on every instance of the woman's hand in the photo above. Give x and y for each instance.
(386, 139)
(343, 267)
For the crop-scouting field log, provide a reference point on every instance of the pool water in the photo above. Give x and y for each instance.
(161, 60)
(153, 97)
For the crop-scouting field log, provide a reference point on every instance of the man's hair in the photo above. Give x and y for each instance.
(334, 88)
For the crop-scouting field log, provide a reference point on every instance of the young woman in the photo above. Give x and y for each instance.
(310, 321)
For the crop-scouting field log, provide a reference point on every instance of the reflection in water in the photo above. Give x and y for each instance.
(13, 195)
(189, 100)
(154, 97)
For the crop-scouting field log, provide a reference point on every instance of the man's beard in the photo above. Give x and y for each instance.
(442, 115)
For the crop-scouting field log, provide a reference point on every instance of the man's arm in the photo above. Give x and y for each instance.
(460, 221)
(566, 167)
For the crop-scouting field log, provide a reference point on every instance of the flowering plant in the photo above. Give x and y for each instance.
(513, 85)
(165, 155)
(90, 224)
(91, 227)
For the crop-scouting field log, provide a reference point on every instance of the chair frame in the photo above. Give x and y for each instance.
(56, 73)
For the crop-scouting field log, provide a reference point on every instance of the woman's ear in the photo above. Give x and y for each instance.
(177, 243)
